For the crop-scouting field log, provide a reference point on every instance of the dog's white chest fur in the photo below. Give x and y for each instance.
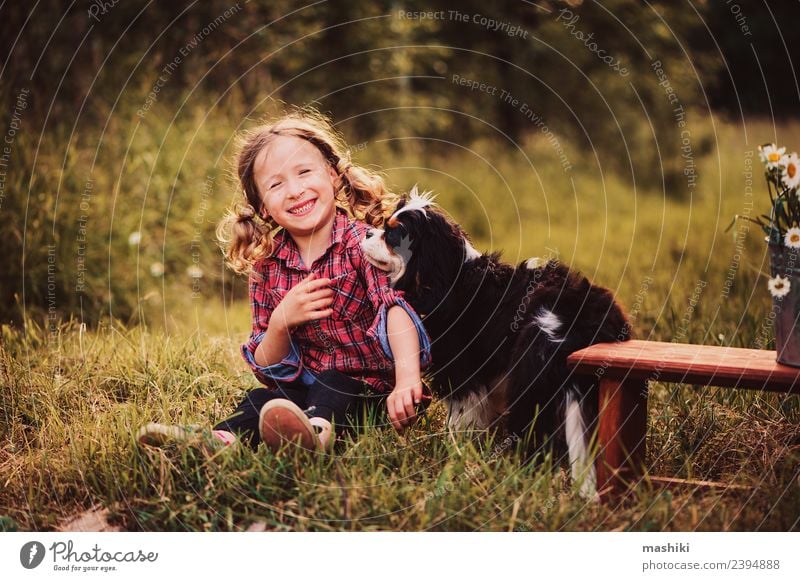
(479, 409)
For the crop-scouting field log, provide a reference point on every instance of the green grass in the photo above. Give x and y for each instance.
(69, 415)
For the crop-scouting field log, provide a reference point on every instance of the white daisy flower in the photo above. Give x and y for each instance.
(778, 286)
(791, 170)
(134, 239)
(195, 271)
(792, 238)
(157, 269)
(771, 155)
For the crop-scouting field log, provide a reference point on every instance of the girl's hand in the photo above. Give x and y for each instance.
(307, 301)
(401, 404)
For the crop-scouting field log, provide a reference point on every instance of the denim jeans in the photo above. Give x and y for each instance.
(333, 396)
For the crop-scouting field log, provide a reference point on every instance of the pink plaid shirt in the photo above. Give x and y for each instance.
(353, 340)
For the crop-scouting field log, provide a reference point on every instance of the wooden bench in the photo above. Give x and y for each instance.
(624, 370)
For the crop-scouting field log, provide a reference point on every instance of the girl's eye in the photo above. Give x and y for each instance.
(275, 185)
(302, 171)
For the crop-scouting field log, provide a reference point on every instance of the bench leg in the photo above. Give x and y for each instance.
(622, 426)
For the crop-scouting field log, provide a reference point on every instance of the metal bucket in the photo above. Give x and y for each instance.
(786, 262)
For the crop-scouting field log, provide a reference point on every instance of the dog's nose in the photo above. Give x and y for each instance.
(369, 234)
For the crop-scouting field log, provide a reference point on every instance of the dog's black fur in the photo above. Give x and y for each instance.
(492, 336)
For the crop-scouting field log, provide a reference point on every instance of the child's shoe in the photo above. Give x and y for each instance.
(282, 421)
(158, 435)
(324, 431)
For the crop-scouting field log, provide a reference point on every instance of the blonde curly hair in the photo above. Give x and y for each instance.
(246, 236)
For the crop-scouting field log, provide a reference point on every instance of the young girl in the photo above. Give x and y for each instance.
(328, 330)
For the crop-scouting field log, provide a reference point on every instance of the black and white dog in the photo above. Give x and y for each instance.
(501, 335)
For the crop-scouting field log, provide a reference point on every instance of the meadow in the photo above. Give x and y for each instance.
(74, 394)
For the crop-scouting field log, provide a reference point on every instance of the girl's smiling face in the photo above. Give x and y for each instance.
(296, 185)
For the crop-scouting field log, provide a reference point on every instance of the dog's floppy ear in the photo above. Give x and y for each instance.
(436, 262)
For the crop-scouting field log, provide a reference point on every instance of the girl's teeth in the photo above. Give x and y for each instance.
(302, 208)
